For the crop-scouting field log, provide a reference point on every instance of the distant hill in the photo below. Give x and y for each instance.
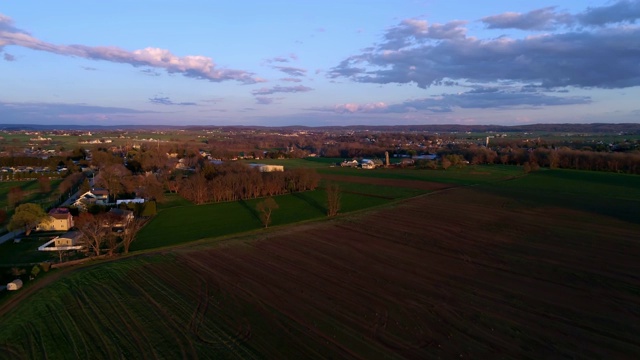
(631, 128)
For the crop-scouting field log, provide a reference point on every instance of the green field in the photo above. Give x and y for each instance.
(186, 223)
(31, 193)
(609, 194)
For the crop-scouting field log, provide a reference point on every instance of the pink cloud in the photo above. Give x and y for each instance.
(196, 66)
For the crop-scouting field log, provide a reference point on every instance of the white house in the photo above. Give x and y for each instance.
(60, 219)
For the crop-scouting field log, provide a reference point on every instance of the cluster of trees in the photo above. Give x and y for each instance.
(234, 181)
(99, 236)
(551, 157)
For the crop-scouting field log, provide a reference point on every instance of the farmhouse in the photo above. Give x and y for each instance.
(95, 196)
(60, 219)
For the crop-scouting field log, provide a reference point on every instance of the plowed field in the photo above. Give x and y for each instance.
(458, 274)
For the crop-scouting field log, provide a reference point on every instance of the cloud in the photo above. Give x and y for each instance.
(618, 12)
(167, 101)
(479, 98)
(88, 68)
(291, 80)
(416, 52)
(6, 25)
(412, 31)
(263, 100)
(280, 59)
(540, 19)
(150, 72)
(8, 57)
(214, 100)
(194, 66)
(281, 89)
(291, 71)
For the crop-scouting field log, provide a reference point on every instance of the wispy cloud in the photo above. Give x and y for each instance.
(281, 89)
(8, 57)
(194, 66)
(277, 59)
(88, 68)
(150, 72)
(167, 101)
(540, 19)
(264, 100)
(291, 71)
(479, 98)
(291, 80)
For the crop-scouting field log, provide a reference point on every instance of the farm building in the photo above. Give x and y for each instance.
(72, 238)
(267, 168)
(128, 201)
(349, 163)
(368, 164)
(14, 285)
(60, 219)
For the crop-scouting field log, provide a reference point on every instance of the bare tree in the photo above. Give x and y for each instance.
(93, 230)
(333, 199)
(111, 240)
(113, 178)
(130, 232)
(265, 208)
(62, 254)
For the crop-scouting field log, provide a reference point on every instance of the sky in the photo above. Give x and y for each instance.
(319, 63)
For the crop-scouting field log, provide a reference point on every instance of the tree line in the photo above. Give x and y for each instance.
(563, 157)
(233, 181)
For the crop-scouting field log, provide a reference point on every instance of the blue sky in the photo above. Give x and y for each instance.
(316, 63)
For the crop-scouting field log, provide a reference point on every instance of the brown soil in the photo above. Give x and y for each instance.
(440, 276)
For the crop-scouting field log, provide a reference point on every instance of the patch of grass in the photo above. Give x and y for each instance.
(173, 200)
(26, 251)
(179, 225)
(31, 192)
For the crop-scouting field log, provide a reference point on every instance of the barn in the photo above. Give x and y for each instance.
(14, 285)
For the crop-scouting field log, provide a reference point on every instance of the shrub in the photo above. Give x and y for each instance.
(45, 266)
